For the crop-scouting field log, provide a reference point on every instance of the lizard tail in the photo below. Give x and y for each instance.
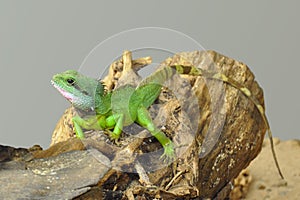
(162, 75)
(159, 77)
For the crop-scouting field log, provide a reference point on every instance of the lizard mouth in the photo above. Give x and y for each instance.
(66, 94)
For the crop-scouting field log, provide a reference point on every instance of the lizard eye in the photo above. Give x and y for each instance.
(71, 81)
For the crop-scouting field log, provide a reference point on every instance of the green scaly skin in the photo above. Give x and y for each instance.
(126, 105)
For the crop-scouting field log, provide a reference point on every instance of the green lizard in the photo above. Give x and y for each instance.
(130, 104)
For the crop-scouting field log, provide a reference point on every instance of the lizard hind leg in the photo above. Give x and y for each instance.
(144, 119)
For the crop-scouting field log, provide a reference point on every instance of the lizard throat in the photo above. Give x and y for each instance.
(83, 103)
(70, 97)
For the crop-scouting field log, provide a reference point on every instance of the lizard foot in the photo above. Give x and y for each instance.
(112, 135)
(168, 156)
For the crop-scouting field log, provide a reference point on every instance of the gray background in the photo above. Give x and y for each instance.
(41, 38)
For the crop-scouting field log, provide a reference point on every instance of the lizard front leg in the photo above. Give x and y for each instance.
(91, 123)
(78, 130)
(144, 119)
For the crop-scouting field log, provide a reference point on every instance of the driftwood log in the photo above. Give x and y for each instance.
(217, 131)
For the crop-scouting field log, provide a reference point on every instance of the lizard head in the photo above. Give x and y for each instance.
(80, 90)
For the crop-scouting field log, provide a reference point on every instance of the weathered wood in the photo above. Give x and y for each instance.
(60, 177)
(230, 131)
